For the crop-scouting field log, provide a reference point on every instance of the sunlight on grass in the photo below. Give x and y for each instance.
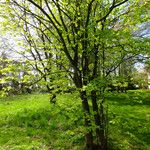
(19, 103)
(31, 122)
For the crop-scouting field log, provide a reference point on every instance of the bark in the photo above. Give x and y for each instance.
(99, 122)
(103, 128)
(88, 135)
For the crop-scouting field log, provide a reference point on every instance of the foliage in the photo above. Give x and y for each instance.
(15, 76)
(141, 79)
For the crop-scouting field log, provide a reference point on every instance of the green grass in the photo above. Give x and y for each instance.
(30, 122)
(129, 120)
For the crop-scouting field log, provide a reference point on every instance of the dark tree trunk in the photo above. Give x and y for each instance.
(48, 88)
(100, 123)
(96, 115)
(88, 135)
(85, 105)
(103, 128)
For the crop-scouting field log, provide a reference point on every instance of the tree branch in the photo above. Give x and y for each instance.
(111, 9)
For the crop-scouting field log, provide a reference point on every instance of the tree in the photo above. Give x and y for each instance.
(92, 39)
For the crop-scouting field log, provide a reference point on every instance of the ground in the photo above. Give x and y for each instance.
(30, 122)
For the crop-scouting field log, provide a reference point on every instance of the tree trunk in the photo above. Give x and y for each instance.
(86, 109)
(103, 128)
(99, 117)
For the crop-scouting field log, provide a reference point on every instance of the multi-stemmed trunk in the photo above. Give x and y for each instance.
(100, 121)
(95, 137)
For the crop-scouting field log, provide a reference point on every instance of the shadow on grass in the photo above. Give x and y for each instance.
(129, 130)
(129, 120)
(130, 98)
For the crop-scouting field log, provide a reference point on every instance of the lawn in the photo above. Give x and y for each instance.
(129, 120)
(30, 122)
